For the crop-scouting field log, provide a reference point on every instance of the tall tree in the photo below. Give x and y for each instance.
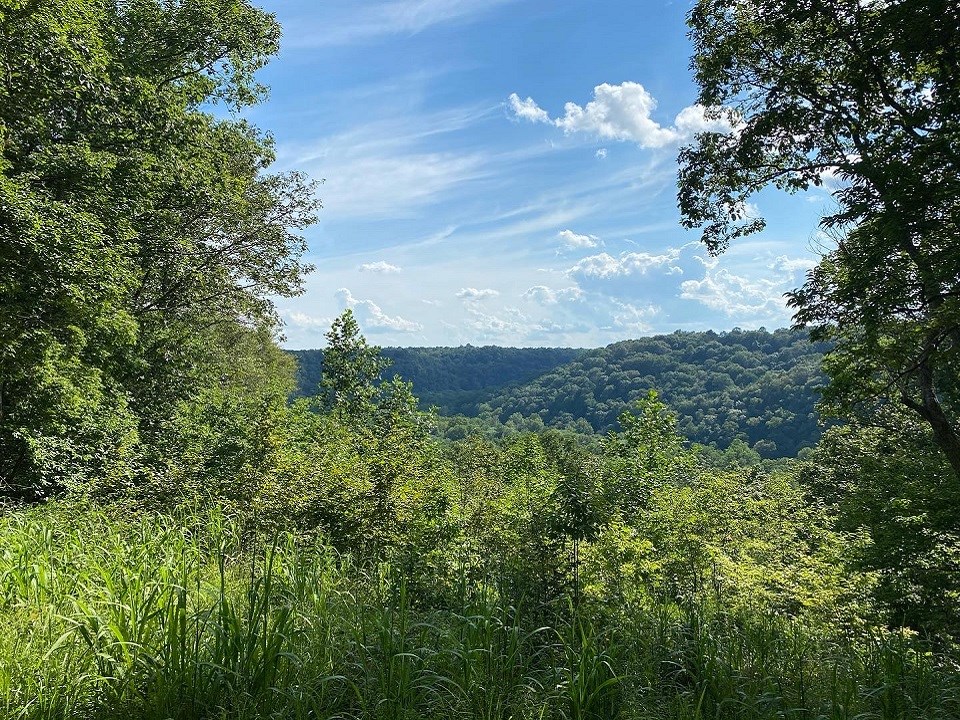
(866, 94)
(352, 370)
(141, 237)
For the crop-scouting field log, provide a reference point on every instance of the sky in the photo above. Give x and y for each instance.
(503, 172)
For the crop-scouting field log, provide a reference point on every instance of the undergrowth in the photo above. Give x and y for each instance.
(105, 618)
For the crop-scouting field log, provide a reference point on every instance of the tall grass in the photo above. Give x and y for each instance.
(102, 618)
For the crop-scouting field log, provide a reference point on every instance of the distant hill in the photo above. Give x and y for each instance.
(757, 386)
(454, 379)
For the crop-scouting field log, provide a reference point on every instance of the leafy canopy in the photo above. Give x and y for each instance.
(864, 96)
(141, 236)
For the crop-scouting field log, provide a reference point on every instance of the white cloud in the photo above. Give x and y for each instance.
(492, 327)
(371, 317)
(574, 240)
(601, 154)
(543, 295)
(469, 293)
(693, 119)
(631, 318)
(792, 265)
(527, 109)
(303, 320)
(390, 168)
(736, 295)
(604, 266)
(380, 267)
(623, 112)
(363, 21)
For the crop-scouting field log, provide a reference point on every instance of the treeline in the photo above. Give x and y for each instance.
(141, 236)
(756, 387)
(453, 379)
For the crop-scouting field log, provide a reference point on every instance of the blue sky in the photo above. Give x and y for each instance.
(503, 172)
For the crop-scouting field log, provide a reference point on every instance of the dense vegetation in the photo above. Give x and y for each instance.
(140, 235)
(454, 380)
(754, 386)
(179, 539)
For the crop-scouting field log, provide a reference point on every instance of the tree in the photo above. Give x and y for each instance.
(892, 486)
(867, 94)
(141, 237)
(389, 431)
(647, 454)
(352, 370)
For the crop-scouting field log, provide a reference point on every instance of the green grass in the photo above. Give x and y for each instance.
(154, 618)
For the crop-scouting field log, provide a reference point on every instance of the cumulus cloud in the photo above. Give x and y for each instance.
(736, 295)
(512, 325)
(527, 109)
(492, 327)
(380, 267)
(372, 318)
(601, 154)
(470, 293)
(792, 265)
(632, 318)
(574, 240)
(303, 320)
(624, 113)
(605, 266)
(543, 295)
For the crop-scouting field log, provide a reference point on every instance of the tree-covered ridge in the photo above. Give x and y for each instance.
(757, 386)
(454, 379)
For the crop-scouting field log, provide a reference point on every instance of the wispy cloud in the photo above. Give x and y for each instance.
(390, 168)
(362, 22)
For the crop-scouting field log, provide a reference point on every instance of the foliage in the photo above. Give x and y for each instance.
(342, 562)
(454, 379)
(141, 237)
(749, 385)
(184, 617)
(867, 94)
(891, 486)
(222, 551)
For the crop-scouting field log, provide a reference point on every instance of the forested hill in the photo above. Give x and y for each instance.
(455, 379)
(754, 385)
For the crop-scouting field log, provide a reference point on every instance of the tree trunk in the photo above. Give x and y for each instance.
(930, 409)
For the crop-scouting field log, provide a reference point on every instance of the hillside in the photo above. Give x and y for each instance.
(454, 379)
(754, 385)
(758, 386)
